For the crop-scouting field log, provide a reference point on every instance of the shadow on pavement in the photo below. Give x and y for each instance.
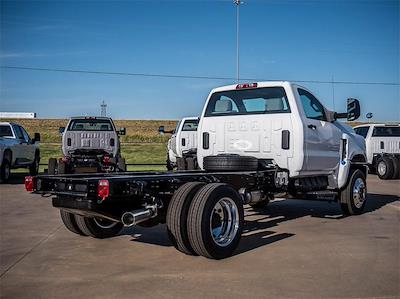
(17, 178)
(259, 232)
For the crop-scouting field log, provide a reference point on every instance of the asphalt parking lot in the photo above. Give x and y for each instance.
(293, 249)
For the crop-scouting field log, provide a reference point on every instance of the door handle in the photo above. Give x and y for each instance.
(312, 127)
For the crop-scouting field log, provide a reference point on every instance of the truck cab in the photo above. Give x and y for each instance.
(280, 123)
(382, 148)
(182, 144)
(89, 144)
(17, 150)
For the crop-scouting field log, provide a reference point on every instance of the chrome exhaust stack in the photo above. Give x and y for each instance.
(137, 216)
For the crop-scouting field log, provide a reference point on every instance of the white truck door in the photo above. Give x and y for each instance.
(322, 138)
(28, 148)
(19, 150)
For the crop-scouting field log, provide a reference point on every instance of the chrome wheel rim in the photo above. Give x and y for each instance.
(382, 168)
(359, 192)
(224, 221)
(104, 223)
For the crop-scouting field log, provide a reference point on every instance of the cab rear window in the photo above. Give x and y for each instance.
(386, 132)
(90, 125)
(5, 131)
(265, 100)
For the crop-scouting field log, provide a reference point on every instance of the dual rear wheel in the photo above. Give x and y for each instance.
(90, 226)
(205, 219)
(388, 167)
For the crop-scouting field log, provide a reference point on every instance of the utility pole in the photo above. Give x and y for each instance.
(237, 3)
(103, 108)
(333, 93)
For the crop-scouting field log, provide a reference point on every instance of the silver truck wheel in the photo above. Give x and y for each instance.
(384, 168)
(215, 221)
(354, 196)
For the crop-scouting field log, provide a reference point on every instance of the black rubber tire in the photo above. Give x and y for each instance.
(52, 166)
(177, 215)
(346, 195)
(121, 164)
(230, 163)
(34, 167)
(389, 168)
(5, 171)
(396, 167)
(89, 227)
(61, 168)
(169, 165)
(199, 215)
(70, 223)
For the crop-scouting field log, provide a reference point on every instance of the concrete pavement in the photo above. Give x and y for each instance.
(293, 249)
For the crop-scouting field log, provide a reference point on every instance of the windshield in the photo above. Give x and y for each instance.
(190, 125)
(90, 125)
(248, 101)
(5, 131)
(386, 132)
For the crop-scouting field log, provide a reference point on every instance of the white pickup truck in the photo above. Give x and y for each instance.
(383, 148)
(255, 141)
(182, 145)
(17, 150)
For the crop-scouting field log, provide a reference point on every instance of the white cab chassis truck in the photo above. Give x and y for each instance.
(182, 145)
(255, 141)
(89, 144)
(382, 148)
(17, 150)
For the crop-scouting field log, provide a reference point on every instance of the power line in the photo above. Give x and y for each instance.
(80, 71)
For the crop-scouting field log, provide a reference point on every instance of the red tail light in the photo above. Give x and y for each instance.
(30, 183)
(65, 159)
(246, 85)
(106, 160)
(103, 189)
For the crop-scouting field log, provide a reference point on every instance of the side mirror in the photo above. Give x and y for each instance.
(61, 130)
(122, 131)
(353, 109)
(36, 137)
(161, 130)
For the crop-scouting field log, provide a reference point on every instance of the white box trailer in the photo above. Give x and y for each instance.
(17, 114)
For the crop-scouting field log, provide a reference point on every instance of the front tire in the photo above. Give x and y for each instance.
(354, 196)
(98, 227)
(215, 221)
(121, 164)
(52, 166)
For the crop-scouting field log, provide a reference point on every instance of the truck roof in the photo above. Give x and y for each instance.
(91, 117)
(259, 84)
(378, 125)
(5, 123)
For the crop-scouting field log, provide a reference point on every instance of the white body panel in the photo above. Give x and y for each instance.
(182, 140)
(376, 145)
(314, 145)
(90, 139)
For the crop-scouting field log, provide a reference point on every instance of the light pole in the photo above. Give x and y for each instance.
(237, 2)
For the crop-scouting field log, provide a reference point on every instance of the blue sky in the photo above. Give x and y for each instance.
(354, 41)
